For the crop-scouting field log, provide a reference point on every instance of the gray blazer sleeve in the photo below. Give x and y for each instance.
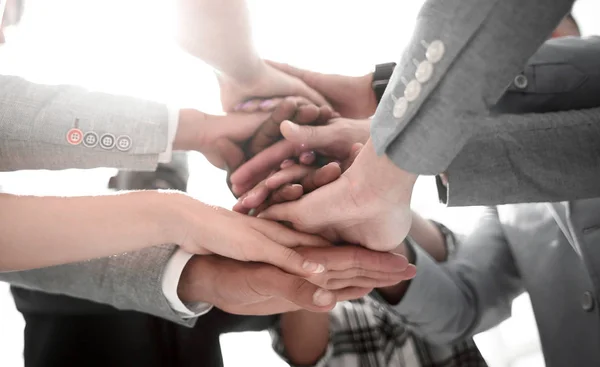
(130, 281)
(476, 47)
(113, 131)
(452, 301)
(532, 151)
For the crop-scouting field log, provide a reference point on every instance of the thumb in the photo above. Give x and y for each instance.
(285, 212)
(307, 137)
(227, 155)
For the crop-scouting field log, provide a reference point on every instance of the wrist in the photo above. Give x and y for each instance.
(377, 176)
(196, 286)
(158, 210)
(190, 134)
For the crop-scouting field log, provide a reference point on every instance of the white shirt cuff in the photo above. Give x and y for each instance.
(165, 157)
(170, 281)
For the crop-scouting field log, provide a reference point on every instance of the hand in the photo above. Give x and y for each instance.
(226, 140)
(291, 182)
(202, 229)
(261, 289)
(352, 97)
(334, 140)
(269, 83)
(368, 205)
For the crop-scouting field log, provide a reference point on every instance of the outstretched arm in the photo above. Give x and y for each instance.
(219, 32)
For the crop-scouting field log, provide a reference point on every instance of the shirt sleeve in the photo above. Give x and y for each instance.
(173, 114)
(170, 281)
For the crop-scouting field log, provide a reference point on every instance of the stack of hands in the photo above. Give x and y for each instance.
(296, 149)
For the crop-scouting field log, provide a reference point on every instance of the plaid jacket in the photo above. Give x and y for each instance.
(363, 334)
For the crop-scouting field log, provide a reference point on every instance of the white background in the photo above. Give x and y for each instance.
(123, 46)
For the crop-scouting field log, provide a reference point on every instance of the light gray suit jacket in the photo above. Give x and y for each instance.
(131, 281)
(549, 250)
(517, 248)
(36, 123)
(486, 44)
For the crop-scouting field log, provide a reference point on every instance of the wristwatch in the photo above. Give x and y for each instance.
(450, 240)
(381, 78)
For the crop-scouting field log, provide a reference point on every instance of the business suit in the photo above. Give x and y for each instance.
(475, 49)
(58, 127)
(510, 165)
(129, 323)
(548, 250)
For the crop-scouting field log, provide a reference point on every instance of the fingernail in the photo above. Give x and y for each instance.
(266, 104)
(287, 163)
(249, 196)
(246, 105)
(292, 126)
(323, 298)
(307, 155)
(313, 267)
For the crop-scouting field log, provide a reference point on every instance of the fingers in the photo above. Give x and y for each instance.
(272, 251)
(287, 193)
(351, 293)
(225, 155)
(287, 212)
(365, 279)
(268, 132)
(307, 158)
(269, 105)
(288, 69)
(340, 258)
(321, 177)
(252, 199)
(361, 282)
(260, 166)
(288, 175)
(270, 281)
(297, 109)
(354, 152)
(249, 106)
(308, 137)
(289, 237)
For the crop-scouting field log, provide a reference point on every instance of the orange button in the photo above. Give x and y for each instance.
(74, 136)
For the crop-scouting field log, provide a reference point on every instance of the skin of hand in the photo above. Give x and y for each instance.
(262, 289)
(268, 83)
(227, 141)
(351, 97)
(368, 205)
(333, 139)
(203, 229)
(291, 182)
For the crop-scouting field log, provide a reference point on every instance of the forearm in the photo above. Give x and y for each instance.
(131, 281)
(305, 336)
(60, 127)
(219, 33)
(429, 237)
(44, 231)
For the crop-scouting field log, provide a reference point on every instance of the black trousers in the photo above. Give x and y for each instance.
(111, 338)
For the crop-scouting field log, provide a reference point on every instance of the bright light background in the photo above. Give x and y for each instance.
(123, 46)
